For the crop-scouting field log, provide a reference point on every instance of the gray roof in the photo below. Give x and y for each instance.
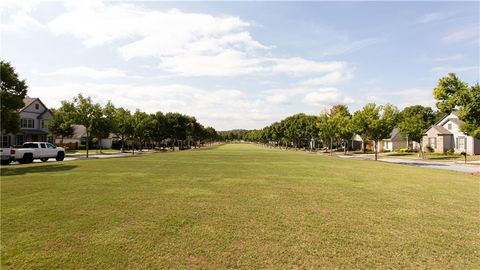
(441, 130)
(394, 133)
(456, 121)
(79, 131)
(27, 101)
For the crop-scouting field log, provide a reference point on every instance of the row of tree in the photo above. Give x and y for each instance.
(139, 129)
(337, 126)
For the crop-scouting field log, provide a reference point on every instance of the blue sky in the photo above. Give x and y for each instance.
(242, 64)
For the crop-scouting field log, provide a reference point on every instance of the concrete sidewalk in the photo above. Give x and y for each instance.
(444, 165)
(91, 156)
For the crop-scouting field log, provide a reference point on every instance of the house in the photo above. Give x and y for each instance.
(34, 116)
(355, 143)
(79, 137)
(446, 135)
(394, 142)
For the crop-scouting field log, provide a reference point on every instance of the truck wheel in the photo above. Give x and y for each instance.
(26, 159)
(44, 159)
(60, 156)
(5, 162)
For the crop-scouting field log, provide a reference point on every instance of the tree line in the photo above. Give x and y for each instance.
(336, 127)
(137, 129)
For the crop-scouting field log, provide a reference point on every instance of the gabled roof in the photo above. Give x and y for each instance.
(40, 116)
(441, 130)
(27, 101)
(79, 131)
(455, 120)
(394, 133)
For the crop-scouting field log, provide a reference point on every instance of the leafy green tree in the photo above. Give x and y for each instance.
(414, 121)
(176, 127)
(83, 111)
(123, 125)
(60, 124)
(328, 128)
(382, 124)
(105, 123)
(13, 91)
(142, 124)
(344, 124)
(449, 92)
(469, 112)
(159, 128)
(363, 120)
(454, 94)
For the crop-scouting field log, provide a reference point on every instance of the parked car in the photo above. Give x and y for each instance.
(30, 151)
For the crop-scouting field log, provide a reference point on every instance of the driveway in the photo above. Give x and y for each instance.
(445, 165)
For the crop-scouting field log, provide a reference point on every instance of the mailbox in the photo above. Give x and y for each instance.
(464, 154)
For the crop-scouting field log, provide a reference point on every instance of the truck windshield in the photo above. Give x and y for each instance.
(30, 145)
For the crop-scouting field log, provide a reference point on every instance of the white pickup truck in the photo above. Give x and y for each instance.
(30, 151)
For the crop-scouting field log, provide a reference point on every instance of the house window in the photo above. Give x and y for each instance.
(449, 126)
(462, 143)
(5, 141)
(37, 106)
(44, 123)
(27, 123)
(432, 142)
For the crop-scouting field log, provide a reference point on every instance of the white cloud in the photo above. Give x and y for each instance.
(88, 72)
(331, 78)
(16, 16)
(400, 97)
(299, 66)
(226, 63)
(455, 69)
(468, 34)
(435, 16)
(324, 97)
(452, 57)
(15, 5)
(185, 44)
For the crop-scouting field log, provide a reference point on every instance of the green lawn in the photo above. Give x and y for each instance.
(237, 206)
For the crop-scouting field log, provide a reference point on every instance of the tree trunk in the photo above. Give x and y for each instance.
(123, 144)
(86, 144)
(376, 149)
(421, 151)
(331, 145)
(345, 145)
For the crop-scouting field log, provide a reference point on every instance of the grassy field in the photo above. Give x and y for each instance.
(237, 206)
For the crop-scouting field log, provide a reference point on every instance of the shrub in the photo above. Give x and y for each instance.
(449, 152)
(402, 150)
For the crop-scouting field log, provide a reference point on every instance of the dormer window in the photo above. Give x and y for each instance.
(449, 126)
(37, 106)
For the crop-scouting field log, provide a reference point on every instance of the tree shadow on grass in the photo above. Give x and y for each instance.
(37, 168)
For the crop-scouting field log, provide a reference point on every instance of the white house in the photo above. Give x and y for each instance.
(34, 116)
(446, 135)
